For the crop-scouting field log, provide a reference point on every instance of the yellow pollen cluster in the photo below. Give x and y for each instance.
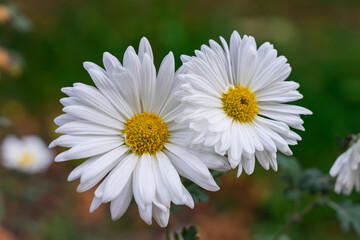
(26, 160)
(240, 103)
(145, 133)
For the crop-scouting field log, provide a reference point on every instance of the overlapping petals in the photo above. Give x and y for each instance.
(346, 169)
(93, 123)
(208, 75)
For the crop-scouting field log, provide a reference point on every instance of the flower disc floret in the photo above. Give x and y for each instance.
(146, 133)
(240, 103)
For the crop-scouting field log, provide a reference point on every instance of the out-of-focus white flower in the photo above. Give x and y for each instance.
(235, 102)
(347, 170)
(29, 154)
(126, 127)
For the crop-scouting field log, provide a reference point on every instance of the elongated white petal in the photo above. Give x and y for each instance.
(160, 216)
(191, 167)
(170, 177)
(146, 213)
(110, 62)
(118, 178)
(212, 161)
(90, 148)
(146, 181)
(103, 164)
(86, 128)
(120, 204)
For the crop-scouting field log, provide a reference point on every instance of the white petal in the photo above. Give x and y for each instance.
(160, 216)
(191, 167)
(76, 172)
(162, 195)
(92, 115)
(170, 177)
(120, 204)
(96, 202)
(146, 213)
(110, 91)
(145, 48)
(94, 99)
(99, 168)
(249, 164)
(119, 177)
(146, 181)
(236, 147)
(212, 160)
(110, 62)
(64, 118)
(70, 140)
(87, 128)
(90, 148)
(240, 169)
(164, 83)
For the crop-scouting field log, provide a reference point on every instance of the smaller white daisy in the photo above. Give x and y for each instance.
(347, 170)
(29, 154)
(236, 102)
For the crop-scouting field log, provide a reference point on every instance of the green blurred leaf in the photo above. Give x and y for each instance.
(348, 214)
(216, 175)
(289, 166)
(197, 193)
(291, 172)
(271, 237)
(187, 234)
(314, 181)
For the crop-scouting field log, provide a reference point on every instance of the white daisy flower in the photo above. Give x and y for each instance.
(347, 170)
(234, 99)
(29, 154)
(126, 127)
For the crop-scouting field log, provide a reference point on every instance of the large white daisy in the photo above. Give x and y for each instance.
(347, 169)
(126, 127)
(234, 99)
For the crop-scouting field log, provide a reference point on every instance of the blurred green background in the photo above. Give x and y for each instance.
(321, 40)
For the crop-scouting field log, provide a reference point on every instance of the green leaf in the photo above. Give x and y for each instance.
(196, 192)
(291, 172)
(271, 237)
(290, 167)
(348, 214)
(176, 236)
(216, 175)
(187, 234)
(314, 181)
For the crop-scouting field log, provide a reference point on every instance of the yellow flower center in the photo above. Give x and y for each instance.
(146, 133)
(240, 103)
(26, 160)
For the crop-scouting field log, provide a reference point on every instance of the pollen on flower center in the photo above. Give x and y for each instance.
(240, 103)
(145, 133)
(26, 160)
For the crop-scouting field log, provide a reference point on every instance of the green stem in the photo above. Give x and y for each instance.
(167, 232)
(336, 206)
(295, 218)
